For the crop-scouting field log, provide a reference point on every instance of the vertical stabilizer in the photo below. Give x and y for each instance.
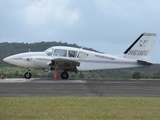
(142, 48)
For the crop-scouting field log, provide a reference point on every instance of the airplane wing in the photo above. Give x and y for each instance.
(145, 62)
(65, 63)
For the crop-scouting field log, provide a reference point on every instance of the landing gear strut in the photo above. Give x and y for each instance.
(64, 75)
(27, 75)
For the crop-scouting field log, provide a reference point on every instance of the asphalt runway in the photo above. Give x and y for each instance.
(79, 88)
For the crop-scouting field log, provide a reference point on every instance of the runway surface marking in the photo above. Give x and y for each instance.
(37, 80)
(14, 80)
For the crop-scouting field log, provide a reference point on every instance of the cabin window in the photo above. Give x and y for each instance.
(72, 53)
(59, 52)
(49, 51)
(82, 55)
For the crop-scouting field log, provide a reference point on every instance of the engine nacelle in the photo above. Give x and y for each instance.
(40, 61)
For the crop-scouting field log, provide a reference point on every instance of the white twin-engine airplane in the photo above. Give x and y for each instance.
(78, 59)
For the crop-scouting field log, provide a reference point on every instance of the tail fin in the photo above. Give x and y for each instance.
(142, 48)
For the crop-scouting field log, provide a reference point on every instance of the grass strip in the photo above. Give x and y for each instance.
(78, 108)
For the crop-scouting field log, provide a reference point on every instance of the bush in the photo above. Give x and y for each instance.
(137, 75)
(156, 75)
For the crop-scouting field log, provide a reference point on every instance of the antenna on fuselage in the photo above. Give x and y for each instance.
(82, 47)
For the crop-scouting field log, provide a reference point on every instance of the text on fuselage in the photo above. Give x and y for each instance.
(104, 57)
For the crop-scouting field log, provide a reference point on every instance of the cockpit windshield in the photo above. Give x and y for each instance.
(49, 51)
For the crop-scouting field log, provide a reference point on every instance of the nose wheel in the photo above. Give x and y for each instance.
(27, 75)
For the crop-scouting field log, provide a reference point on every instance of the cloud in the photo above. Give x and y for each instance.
(44, 11)
(124, 9)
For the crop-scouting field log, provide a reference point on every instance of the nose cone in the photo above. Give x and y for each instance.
(7, 59)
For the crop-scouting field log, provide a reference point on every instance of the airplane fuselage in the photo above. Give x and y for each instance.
(92, 61)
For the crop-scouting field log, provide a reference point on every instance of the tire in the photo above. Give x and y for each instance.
(64, 75)
(27, 75)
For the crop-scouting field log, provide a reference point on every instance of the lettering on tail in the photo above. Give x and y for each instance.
(138, 52)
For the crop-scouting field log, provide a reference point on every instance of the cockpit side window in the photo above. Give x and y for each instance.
(82, 55)
(49, 51)
(72, 53)
(59, 52)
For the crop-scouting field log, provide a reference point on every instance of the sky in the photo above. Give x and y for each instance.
(109, 26)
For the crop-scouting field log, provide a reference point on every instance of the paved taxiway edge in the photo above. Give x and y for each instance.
(79, 88)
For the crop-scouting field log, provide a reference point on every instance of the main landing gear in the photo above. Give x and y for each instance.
(27, 75)
(64, 75)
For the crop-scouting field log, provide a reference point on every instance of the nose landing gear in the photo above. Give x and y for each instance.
(27, 75)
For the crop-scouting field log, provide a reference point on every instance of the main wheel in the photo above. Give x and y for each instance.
(27, 75)
(64, 75)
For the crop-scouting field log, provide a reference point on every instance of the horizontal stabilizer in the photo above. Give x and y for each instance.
(145, 62)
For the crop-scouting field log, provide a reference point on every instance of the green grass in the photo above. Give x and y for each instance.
(80, 108)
